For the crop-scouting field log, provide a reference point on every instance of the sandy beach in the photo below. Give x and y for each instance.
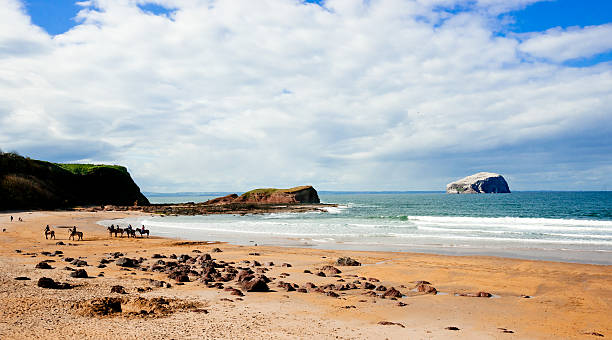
(529, 299)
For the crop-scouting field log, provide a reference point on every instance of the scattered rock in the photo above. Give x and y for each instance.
(254, 254)
(257, 284)
(427, 289)
(60, 243)
(389, 323)
(306, 271)
(332, 294)
(347, 261)
(43, 265)
(392, 292)
(367, 285)
(401, 304)
(330, 270)
(236, 292)
(286, 265)
(217, 250)
(79, 273)
(595, 334)
(22, 278)
(126, 262)
(322, 274)
(118, 289)
(46, 282)
(381, 288)
(79, 263)
(452, 328)
(479, 294)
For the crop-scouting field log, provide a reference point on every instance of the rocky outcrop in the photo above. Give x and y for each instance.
(301, 194)
(32, 184)
(482, 182)
(222, 200)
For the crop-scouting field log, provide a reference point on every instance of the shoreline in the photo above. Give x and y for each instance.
(194, 229)
(567, 300)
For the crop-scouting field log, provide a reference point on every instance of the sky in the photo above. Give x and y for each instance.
(230, 95)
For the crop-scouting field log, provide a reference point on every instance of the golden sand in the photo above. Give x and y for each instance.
(565, 300)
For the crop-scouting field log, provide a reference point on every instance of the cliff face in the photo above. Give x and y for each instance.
(302, 194)
(482, 182)
(33, 184)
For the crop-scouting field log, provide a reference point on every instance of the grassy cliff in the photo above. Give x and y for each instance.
(33, 184)
(302, 194)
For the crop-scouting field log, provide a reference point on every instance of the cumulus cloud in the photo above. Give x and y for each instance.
(559, 44)
(230, 95)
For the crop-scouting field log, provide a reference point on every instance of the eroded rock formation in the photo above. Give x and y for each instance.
(482, 182)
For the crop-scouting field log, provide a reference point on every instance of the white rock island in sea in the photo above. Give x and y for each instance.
(482, 182)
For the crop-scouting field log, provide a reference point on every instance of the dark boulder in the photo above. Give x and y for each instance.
(43, 265)
(127, 262)
(392, 293)
(118, 289)
(347, 261)
(79, 273)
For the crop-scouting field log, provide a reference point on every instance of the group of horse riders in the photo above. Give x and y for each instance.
(73, 233)
(131, 232)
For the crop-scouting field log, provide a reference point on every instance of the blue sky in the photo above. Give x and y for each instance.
(343, 94)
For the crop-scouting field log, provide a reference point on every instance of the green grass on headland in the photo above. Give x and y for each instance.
(84, 169)
(270, 191)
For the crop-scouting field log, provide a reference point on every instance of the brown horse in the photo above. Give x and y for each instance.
(115, 230)
(74, 234)
(49, 234)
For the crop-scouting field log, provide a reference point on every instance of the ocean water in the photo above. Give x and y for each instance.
(557, 226)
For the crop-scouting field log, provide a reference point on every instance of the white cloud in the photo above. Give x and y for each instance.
(559, 44)
(229, 95)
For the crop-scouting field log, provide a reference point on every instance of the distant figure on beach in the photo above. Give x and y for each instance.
(20, 220)
(11, 218)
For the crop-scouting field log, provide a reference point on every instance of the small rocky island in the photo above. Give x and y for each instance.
(301, 194)
(482, 182)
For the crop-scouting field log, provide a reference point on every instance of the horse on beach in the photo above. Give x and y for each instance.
(143, 231)
(74, 233)
(49, 233)
(130, 231)
(115, 230)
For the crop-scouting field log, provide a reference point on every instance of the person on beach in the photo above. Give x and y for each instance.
(11, 218)
(47, 229)
(143, 229)
(20, 220)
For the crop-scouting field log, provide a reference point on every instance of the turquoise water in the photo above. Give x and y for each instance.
(559, 226)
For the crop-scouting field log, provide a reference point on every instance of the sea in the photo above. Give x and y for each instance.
(553, 226)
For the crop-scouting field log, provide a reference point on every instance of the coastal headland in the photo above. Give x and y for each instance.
(107, 287)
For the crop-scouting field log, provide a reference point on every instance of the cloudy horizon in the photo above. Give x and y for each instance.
(220, 95)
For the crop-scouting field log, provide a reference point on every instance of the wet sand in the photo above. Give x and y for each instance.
(565, 300)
